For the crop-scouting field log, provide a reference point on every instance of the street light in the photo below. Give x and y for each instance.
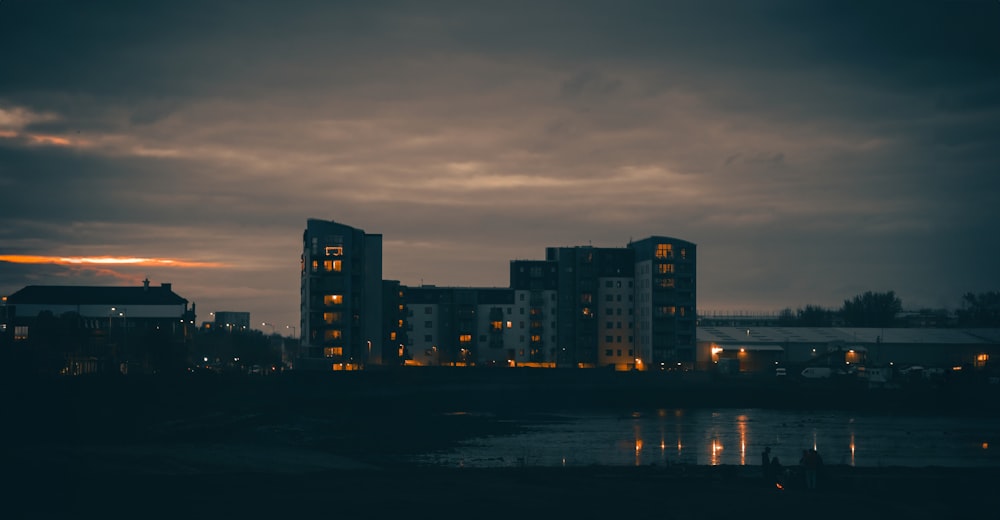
(271, 325)
(293, 330)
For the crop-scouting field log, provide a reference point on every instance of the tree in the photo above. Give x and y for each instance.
(980, 310)
(786, 318)
(871, 309)
(815, 316)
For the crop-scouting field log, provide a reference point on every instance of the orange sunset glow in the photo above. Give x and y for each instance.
(105, 260)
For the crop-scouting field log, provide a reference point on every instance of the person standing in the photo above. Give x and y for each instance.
(765, 465)
(810, 466)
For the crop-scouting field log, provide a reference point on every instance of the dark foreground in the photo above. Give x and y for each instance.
(594, 492)
(341, 447)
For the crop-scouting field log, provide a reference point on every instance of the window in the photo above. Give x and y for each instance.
(334, 250)
(332, 265)
(332, 334)
(610, 298)
(392, 336)
(331, 317)
(536, 338)
(608, 352)
(496, 325)
(684, 253)
(608, 339)
(428, 310)
(586, 298)
(315, 265)
(465, 338)
(608, 284)
(510, 324)
(428, 324)
(665, 268)
(333, 299)
(618, 352)
(664, 250)
(399, 323)
(333, 351)
(520, 297)
(428, 338)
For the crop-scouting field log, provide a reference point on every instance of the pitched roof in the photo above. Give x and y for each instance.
(94, 295)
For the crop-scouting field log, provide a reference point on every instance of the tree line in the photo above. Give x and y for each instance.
(882, 309)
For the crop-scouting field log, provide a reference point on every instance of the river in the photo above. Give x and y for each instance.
(735, 437)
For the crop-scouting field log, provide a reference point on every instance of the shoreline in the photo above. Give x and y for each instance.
(256, 447)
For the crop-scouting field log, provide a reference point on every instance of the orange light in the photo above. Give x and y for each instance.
(104, 260)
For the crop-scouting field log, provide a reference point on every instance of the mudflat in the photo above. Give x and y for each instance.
(308, 445)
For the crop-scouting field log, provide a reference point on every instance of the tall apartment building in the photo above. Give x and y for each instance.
(536, 293)
(628, 307)
(341, 297)
(665, 301)
(594, 322)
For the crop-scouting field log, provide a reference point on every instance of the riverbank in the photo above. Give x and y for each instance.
(341, 444)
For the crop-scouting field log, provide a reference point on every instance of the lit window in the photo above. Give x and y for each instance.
(982, 359)
(665, 268)
(399, 323)
(536, 338)
(510, 324)
(315, 265)
(331, 317)
(496, 325)
(664, 251)
(335, 251)
(465, 338)
(332, 334)
(332, 265)
(333, 351)
(20, 332)
(333, 299)
(392, 336)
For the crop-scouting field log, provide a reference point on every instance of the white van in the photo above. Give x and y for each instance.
(817, 372)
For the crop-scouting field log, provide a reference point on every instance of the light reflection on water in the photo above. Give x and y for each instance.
(737, 437)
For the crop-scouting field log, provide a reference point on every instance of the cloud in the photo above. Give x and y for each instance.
(804, 146)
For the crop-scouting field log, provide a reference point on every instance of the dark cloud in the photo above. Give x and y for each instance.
(812, 149)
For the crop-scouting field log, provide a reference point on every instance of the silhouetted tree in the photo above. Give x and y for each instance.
(815, 316)
(980, 310)
(786, 318)
(872, 309)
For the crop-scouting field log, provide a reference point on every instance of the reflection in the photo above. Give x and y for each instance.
(852, 448)
(741, 425)
(716, 452)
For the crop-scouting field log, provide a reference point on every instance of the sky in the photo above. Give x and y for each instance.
(812, 150)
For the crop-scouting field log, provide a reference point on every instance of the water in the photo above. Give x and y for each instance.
(736, 437)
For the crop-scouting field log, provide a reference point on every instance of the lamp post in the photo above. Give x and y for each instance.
(271, 325)
(293, 330)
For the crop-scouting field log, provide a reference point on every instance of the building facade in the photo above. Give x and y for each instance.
(75, 330)
(666, 308)
(341, 297)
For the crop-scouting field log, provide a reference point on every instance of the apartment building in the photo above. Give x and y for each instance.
(665, 301)
(341, 297)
